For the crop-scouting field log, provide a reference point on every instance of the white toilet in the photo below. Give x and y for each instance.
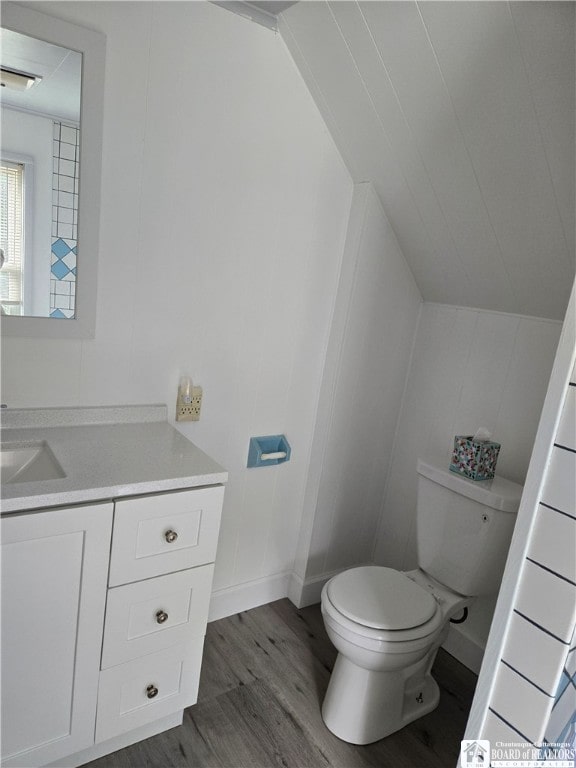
(387, 625)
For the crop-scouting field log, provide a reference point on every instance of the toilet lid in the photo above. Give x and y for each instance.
(381, 598)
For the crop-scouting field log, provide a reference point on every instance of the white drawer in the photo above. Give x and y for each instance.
(164, 533)
(144, 690)
(151, 615)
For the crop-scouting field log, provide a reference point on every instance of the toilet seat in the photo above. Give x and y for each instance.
(341, 603)
(381, 598)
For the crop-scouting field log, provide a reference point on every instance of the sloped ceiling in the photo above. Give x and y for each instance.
(462, 116)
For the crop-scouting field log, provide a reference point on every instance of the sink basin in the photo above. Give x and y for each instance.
(28, 463)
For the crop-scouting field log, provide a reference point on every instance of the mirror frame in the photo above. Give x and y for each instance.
(92, 46)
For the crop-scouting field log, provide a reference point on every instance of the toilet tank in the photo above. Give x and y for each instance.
(464, 528)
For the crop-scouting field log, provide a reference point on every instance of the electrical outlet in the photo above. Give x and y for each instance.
(196, 402)
(190, 411)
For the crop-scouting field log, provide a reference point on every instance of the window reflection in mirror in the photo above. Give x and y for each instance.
(39, 177)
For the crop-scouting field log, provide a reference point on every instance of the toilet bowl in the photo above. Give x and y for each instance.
(386, 626)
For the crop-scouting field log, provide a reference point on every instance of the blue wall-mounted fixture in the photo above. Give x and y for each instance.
(268, 450)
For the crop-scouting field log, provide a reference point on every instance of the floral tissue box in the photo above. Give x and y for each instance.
(475, 459)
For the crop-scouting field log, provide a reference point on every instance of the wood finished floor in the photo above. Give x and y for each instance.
(263, 680)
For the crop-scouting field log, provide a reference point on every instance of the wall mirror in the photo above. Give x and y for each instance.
(51, 145)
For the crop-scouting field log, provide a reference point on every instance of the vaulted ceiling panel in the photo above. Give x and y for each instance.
(484, 70)
(382, 92)
(462, 115)
(546, 41)
(420, 86)
(360, 135)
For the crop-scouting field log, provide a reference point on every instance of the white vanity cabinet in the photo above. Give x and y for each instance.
(104, 612)
(54, 571)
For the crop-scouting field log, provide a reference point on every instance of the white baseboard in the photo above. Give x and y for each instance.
(464, 648)
(250, 594)
(308, 592)
(295, 589)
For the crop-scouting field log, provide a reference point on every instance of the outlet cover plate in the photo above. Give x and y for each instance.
(190, 411)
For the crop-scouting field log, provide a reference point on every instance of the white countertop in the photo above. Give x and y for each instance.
(138, 454)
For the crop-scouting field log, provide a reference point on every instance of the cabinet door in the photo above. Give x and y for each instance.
(54, 569)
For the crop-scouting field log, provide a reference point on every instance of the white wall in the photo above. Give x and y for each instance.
(470, 368)
(224, 212)
(374, 323)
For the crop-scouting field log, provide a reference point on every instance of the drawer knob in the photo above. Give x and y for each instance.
(161, 617)
(151, 691)
(170, 536)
